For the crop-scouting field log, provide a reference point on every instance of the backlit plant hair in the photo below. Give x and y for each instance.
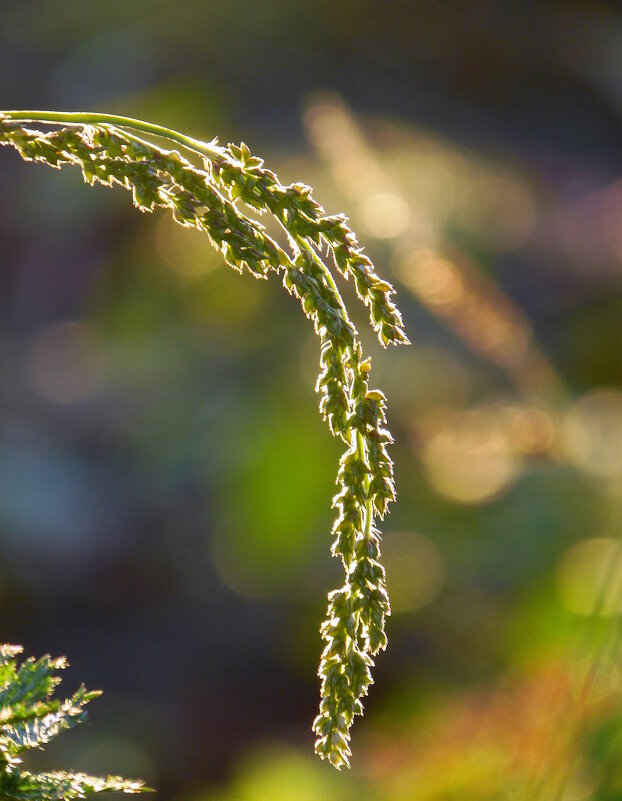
(109, 151)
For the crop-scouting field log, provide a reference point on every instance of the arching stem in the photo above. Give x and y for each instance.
(210, 149)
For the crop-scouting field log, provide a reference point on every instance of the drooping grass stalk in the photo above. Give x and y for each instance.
(108, 151)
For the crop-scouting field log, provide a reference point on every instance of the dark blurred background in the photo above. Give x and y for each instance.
(165, 477)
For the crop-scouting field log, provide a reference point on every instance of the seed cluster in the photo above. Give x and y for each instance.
(304, 218)
(354, 629)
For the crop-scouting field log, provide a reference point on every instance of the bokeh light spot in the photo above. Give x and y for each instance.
(186, 251)
(384, 215)
(532, 430)
(468, 455)
(280, 773)
(589, 577)
(427, 179)
(435, 280)
(592, 433)
(415, 570)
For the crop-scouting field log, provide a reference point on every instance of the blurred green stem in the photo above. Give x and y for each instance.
(209, 149)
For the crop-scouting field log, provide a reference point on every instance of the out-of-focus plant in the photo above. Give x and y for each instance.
(30, 718)
(108, 151)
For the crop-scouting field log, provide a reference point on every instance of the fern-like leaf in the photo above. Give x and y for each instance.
(30, 718)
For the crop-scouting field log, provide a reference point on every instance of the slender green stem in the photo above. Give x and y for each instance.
(302, 244)
(369, 511)
(209, 149)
